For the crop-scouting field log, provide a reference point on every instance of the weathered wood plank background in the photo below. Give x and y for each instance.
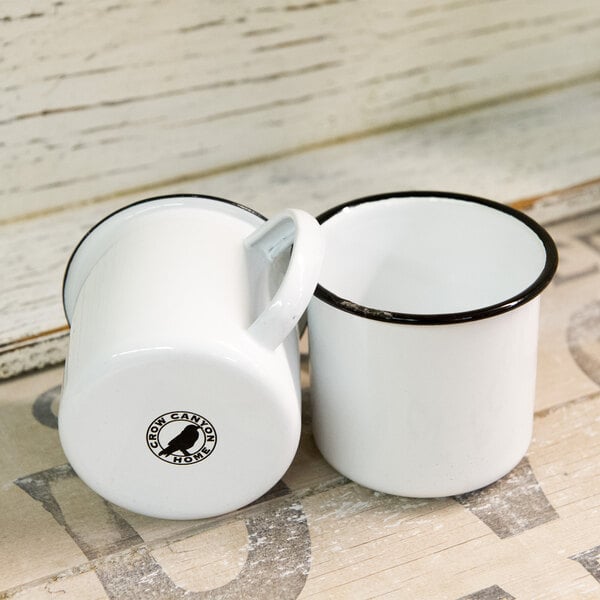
(274, 103)
(98, 98)
(512, 152)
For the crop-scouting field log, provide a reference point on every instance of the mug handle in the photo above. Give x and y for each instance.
(290, 227)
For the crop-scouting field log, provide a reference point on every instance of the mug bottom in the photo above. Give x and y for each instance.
(405, 482)
(179, 436)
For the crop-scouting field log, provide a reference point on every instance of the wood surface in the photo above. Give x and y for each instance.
(542, 152)
(533, 535)
(101, 97)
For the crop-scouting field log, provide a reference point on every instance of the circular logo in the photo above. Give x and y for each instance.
(181, 437)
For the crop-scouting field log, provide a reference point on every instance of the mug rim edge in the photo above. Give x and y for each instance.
(524, 296)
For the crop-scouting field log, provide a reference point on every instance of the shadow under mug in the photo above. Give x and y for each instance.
(423, 340)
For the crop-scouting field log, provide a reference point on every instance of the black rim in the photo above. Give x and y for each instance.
(519, 299)
(124, 208)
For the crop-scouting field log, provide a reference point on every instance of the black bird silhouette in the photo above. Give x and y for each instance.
(182, 441)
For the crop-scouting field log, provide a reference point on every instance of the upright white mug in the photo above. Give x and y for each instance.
(181, 394)
(423, 340)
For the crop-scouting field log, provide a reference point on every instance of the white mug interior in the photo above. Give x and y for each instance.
(429, 255)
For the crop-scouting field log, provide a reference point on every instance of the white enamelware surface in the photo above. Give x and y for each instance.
(419, 409)
(429, 256)
(171, 314)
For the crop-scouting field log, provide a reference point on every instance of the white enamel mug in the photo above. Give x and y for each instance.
(423, 340)
(181, 395)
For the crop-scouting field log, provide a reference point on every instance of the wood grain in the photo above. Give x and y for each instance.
(102, 97)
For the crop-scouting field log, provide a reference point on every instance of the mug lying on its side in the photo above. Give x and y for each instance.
(181, 395)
